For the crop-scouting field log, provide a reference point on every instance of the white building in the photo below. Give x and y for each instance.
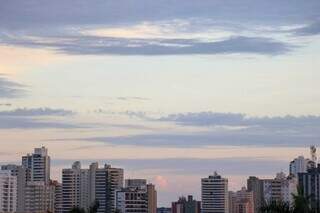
(37, 165)
(214, 194)
(132, 200)
(75, 187)
(20, 173)
(300, 165)
(108, 181)
(137, 196)
(39, 197)
(280, 188)
(8, 191)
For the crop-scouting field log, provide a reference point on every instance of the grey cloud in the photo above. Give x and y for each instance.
(10, 89)
(36, 112)
(8, 122)
(32, 13)
(237, 119)
(205, 139)
(311, 29)
(94, 45)
(188, 166)
(227, 129)
(36, 118)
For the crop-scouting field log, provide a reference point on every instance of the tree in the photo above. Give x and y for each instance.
(301, 204)
(77, 210)
(276, 207)
(94, 207)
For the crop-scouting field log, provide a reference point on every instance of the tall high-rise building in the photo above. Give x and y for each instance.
(184, 205)
(241, 201)
(131, 199)
(75, 187)
(20, 173)
(310, 183)
(107, 181)
(255, 185)
(280, 188)
(8, 191)
(136, 196)
(37, 165)
(138, 183)
(57, 196)
(300, 165)
(39, 197)
(214, 194)
(152, 198)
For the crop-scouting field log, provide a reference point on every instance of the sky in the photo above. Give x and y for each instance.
(169, 90)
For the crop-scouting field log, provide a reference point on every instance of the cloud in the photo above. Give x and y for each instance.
(26, 14)
(237, 119)
(32, 123)
(233, 129)
(36, 112)
(96, 45)
(50, 25)
(309, 30)
(36, 118)
(10, 89)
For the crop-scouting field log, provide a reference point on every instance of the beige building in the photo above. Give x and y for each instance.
(8, 191)
(39, 197)
(241, 201)
(152, 198)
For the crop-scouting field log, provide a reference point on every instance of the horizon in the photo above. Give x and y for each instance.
(169, 90)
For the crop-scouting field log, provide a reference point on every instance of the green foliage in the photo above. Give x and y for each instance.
(92, 209)
(301, 204)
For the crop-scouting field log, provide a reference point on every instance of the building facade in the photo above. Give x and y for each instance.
(20, 173)
(310, 183)
(8, 191)
(37, 165)
(108, 180)
(186, 205)
(255, 185)
(241, 201)
(39, 197)
(214, 194)
(300, 165)
(75, 188)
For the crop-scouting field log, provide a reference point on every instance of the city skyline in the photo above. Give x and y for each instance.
(42, 165)
(168, 90)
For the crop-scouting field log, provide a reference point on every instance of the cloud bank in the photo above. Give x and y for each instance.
(10, 89)
(36, 118)
(222, 129)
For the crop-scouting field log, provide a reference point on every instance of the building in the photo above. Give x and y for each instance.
(163, 210)
(20, 173)
(132, 199)
(300, 165)
(39, 197)
(132, 183)
(152, 198)
(75, 188)
(241, 201)
(280, 188)
(37, 165)
(214, 194)
(255, 185)
(137, 196)
(57, 196)
(184, 205)
(108, 180)
(310, 184)
(8, 191)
